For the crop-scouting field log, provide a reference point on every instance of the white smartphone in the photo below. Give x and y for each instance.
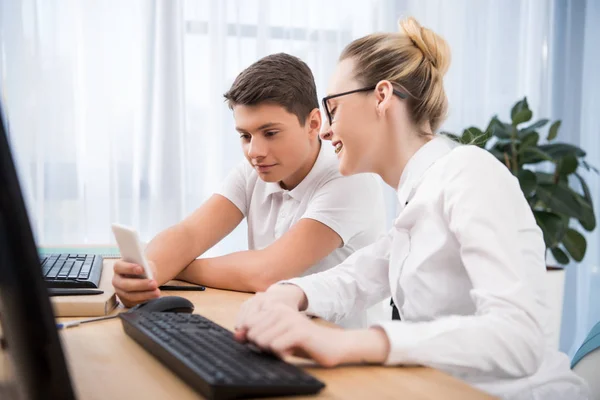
(130, 247)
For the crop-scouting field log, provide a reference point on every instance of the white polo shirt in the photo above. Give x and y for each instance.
(352, 206)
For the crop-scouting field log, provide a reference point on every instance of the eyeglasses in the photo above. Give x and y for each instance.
(326, 99)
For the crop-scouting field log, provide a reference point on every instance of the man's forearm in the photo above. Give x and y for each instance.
(245, 271)
(170, 251)
(175, 248)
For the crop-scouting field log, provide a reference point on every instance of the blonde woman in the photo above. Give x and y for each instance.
(464, 261)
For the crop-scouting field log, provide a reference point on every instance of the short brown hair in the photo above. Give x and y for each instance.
(279, 79)
(416, 59)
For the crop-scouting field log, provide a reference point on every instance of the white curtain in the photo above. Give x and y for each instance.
(117, 114)
(116, 108)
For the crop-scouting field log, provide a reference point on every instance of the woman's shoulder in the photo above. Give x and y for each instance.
(471, 168)
(473, 161)
(469, 155)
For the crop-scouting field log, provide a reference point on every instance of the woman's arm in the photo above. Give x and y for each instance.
(357, 283)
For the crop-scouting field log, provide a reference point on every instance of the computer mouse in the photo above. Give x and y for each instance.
(174, 304)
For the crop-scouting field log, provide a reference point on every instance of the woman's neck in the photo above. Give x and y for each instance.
(397, 153)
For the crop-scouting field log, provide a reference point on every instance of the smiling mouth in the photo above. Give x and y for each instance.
(338, 147)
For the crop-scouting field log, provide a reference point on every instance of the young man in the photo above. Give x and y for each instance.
(303, 216)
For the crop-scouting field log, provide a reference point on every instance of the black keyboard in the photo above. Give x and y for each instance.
(208, 358)
(71, 270)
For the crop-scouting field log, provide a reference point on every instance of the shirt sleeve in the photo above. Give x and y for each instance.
(349, 206)
(358, 283)
(491, 220)
(234, 187)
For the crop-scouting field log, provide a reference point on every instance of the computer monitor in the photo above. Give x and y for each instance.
(30, 338)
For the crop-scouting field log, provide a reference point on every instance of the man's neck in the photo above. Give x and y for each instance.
(294, 180)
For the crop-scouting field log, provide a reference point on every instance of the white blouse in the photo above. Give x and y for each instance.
(465, 264)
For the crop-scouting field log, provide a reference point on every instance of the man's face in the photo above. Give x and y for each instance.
(273, 141)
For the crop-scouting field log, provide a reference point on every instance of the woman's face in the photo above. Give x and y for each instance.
(355, 126)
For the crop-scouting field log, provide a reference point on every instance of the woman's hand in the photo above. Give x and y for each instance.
(284, 331)
(289, 295)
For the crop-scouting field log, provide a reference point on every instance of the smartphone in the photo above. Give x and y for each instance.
(130, 247)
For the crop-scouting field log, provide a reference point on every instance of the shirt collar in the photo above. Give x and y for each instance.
(302, 188)
(419, 163)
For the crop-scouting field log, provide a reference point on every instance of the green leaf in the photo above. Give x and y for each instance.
(467, 137)
(533, 127)
(528, 140)
(522, 116)
(501, 143)
(588, 219)
(543, 177)
(482, 140)
(585, 165)
(552, 227)
(533, 155)
(493, 122)
(452, 136)
(528, 181)
(476, 136)
(498, 129)
(500, 132)
(559, 255)
(560, 199)
(566, 219)
(553, 130)
(475, 132)
(588, 166)
(586, 190)
(575, 244)
(567, 165)
(518, 107)
(558, 150)
(498, 154)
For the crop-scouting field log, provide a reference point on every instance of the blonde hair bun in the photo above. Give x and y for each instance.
(434, 47)
(415, 60)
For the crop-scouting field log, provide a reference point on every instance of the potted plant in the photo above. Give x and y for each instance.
(548, 173)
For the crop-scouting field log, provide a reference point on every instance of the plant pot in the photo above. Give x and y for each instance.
(555, 289)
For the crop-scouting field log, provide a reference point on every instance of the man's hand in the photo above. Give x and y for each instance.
(129, 285)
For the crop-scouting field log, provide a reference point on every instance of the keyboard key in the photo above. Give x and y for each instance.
(74, 273)
(47, 266)
(85, 272)
(55, 270)
(64, 272)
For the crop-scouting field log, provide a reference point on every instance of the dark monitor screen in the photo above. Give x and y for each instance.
(28, 329)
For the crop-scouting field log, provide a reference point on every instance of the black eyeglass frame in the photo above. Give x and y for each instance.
(366, 89)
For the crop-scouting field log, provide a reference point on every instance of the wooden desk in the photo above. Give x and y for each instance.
(106, 364)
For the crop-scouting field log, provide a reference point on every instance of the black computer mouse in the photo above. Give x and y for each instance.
(174, 304)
